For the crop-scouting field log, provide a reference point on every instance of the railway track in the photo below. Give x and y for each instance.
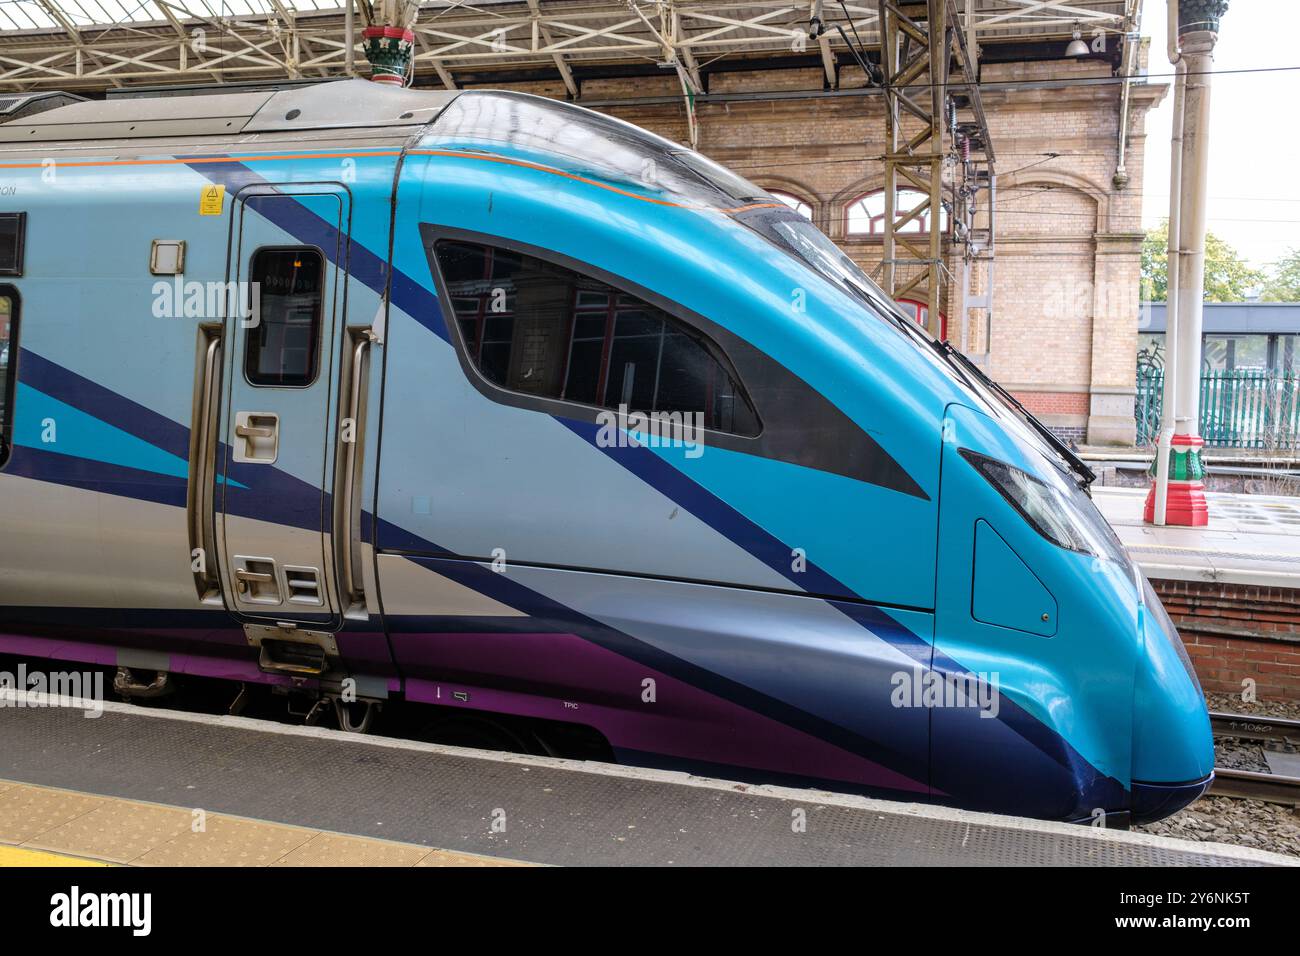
(1249, 727)
(1249, 784)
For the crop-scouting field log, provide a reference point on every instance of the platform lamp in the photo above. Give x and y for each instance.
(1077, 47)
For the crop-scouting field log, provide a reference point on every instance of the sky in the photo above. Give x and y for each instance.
(1254, 200)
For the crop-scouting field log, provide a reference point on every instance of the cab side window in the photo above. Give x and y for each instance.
(13, 234)
(8, 366)
(541, 329)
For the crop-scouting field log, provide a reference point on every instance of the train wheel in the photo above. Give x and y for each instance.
(480, 733)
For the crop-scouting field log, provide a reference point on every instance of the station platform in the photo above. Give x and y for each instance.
(128, 786)
(1250, 539)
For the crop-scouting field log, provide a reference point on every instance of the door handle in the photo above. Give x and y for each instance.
(200, 476)
(260, 434)
(347, 513)
(254, 431)
(256, 581)
(243, 579)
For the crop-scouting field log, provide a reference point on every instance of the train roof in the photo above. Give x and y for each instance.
(340, 105)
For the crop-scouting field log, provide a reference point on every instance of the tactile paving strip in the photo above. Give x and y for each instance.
(525, 808)
(111, 830)
(1177, 552)
(1282, 516)
(117, 831)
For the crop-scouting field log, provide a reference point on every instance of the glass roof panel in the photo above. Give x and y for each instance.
(35, 15)
(995, 16)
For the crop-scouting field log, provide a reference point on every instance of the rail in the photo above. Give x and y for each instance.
(1253, 727)
(1251, 784)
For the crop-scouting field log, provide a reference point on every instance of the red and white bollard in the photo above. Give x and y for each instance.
(1185, 504)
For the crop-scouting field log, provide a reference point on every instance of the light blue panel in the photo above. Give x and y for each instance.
(473, 475)
(81, 320)
(1172, 740)
(1005, 592)
(864, 535)
(87, 287)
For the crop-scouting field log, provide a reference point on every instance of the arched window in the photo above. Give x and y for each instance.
(794, 202)
(920, 311)
(866, 216)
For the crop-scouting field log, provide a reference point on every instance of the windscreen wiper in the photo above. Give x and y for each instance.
(1086, 475)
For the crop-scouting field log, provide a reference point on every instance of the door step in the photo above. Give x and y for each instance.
(288, 649)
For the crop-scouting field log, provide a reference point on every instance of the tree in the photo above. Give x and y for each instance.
(1155, 263)
(1284, 284)
(1228, 278)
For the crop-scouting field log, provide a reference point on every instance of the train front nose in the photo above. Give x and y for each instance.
(1173, 750)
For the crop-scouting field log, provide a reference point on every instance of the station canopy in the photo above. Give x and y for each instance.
(95, 45)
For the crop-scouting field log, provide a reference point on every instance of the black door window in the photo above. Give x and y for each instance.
(284, 347)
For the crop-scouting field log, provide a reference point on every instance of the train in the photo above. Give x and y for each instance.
(489, 404)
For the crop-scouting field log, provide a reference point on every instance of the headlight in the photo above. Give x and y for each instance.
(1061, 512)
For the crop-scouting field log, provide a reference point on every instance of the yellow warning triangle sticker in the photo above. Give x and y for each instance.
(210, 200)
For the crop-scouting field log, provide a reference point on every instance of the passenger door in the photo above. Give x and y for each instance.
(276, 456)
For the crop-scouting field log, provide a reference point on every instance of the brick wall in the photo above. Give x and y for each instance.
(1068, 253)
(1054, 403)
(1234, 632)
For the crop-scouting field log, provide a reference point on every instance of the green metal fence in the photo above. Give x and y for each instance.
(1240, 408)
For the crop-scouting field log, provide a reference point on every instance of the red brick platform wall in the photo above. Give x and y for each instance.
(1054, 403)
(1233, 632)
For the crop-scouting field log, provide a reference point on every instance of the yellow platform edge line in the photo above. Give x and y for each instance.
(21, 856)
(17, 856)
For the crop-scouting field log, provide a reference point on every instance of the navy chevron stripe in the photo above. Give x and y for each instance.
(267, 493)
(87, 395)
(407, 293)
(546, 613)
(57, 468)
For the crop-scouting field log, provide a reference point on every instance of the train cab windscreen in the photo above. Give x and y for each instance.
(796, 236)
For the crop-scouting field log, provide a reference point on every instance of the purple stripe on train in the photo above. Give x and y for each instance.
(667, 716)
